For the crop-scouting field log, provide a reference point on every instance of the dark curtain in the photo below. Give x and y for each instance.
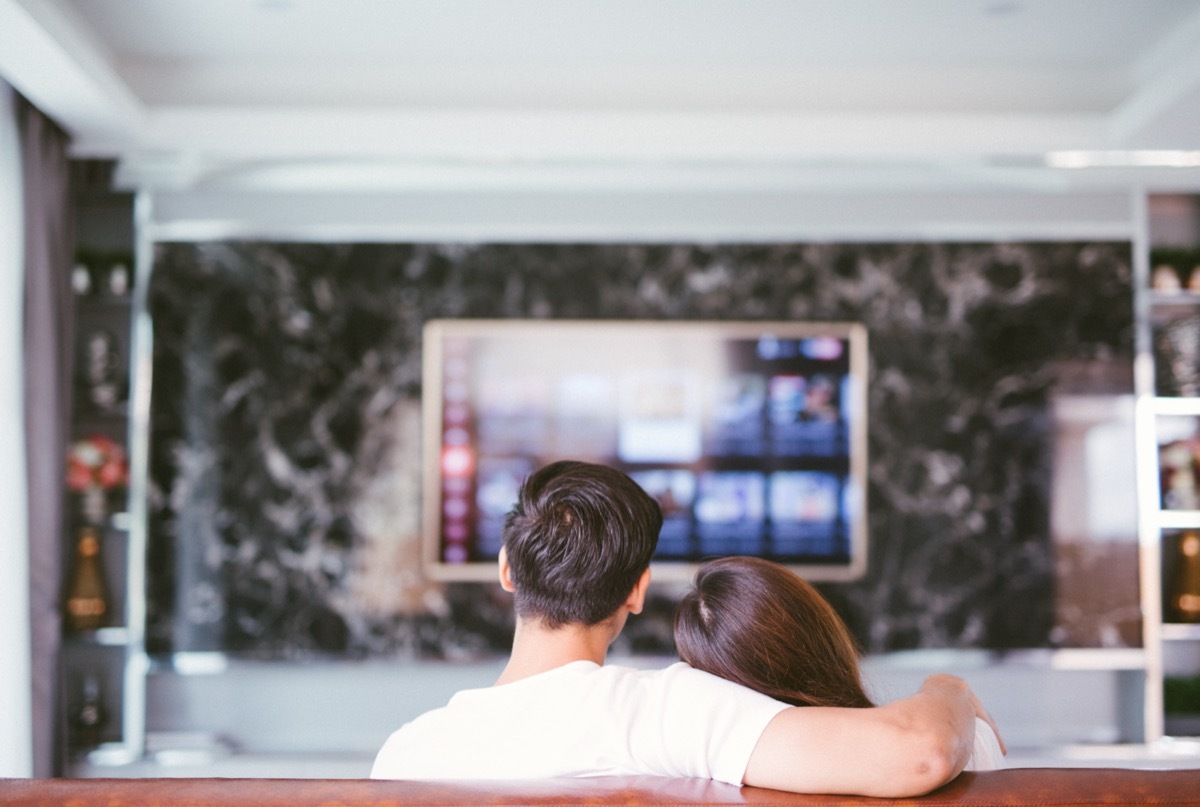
(48, 327)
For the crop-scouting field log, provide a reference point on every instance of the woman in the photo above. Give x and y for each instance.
(757, 624)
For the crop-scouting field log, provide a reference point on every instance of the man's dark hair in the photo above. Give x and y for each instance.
(577, 541)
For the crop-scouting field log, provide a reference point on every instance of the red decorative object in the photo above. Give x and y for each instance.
(97, 462)
(96, 467)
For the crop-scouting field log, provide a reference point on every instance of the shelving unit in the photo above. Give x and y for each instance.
(102, 679)
(1167, 377)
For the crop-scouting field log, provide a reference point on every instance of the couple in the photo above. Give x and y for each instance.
(576, 557)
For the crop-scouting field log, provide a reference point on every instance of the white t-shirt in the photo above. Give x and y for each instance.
(584, 719)
(987, 755)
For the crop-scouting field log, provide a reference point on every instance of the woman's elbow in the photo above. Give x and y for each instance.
(932, 761)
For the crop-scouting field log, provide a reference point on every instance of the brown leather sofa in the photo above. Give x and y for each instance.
(1018, 787)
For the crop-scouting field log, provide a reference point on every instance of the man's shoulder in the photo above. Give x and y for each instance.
(683, 675)
(567, 690)
(669, 675)
(577, 685)
(586, 719)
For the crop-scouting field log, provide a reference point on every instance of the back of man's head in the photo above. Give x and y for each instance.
(577, 541)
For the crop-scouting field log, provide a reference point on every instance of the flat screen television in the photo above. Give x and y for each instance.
(751, 435)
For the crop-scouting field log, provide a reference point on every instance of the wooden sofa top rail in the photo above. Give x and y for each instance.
(1018, 787)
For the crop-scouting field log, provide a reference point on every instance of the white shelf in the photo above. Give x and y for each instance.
(1181, 632)
(1179, 519)
(1177, 406)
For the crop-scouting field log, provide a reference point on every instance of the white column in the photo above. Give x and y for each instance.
(16, 709)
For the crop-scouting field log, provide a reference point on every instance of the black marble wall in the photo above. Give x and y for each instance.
(285, 429)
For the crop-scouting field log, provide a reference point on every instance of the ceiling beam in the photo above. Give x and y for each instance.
(49, 57)
(589, 135)
(1163, 112)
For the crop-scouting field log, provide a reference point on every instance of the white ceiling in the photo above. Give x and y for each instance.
(790, 92)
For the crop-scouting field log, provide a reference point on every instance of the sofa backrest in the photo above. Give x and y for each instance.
(1019, 787)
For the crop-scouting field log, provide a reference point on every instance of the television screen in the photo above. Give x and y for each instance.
(751, 435)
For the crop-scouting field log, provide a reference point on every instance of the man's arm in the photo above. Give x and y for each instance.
(905, 748)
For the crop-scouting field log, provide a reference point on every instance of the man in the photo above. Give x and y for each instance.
(576, 557)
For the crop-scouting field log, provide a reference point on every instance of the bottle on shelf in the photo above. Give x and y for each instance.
(87, 595)
(1185, 593)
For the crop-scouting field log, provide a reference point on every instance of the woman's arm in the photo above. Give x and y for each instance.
(905, 748)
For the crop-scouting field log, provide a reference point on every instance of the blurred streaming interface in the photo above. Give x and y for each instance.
(744, 439)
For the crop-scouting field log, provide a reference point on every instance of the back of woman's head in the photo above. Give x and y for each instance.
(758, 624)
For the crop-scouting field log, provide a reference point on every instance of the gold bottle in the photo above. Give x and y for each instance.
(87, 596)
(1185, 595)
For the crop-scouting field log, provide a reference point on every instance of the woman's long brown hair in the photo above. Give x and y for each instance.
(758, 624)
